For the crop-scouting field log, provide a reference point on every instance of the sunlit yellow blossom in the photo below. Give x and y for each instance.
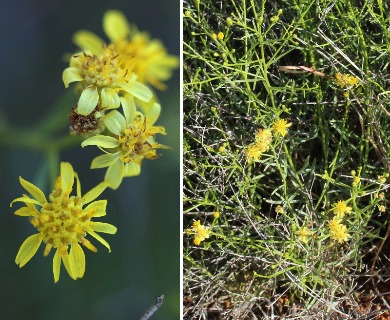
(216, 214)
(303, 234)
(214, 36)
(263, 139)
(280, 127)
(344, 80)
(264, 135)
(222, 149)
(62, 222)
(102, 78)
(201, 232)
(279, 209)
(253, 152)
(356, 181)
(147, 58)
(229, 22)
(381, 179)
(337, 231)
(132, 141)
(341, 208)
(263, 146)
(220, 36)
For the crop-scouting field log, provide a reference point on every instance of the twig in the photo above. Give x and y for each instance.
(153, 308)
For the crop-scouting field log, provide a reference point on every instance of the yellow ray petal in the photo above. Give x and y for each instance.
(115, 25)
(33, 190)
(96, 208)
(94, 192)
(87, 40)
(103, 227)
(27, 250)
(67, 177)
(56, 266)
(77, 259)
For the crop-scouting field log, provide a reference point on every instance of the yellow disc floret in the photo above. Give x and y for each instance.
(62, 221)
(138, 141)
(104, 70)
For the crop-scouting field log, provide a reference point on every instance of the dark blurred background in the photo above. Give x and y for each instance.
(145, 257)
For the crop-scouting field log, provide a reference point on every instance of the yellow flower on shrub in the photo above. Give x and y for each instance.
(103, 76)
(132, 140)
(303, 234)
(338, 231)
(201, 232)
(345, 80)
(341, 208)
(263, 139)
(280, 127)
(253, 152)
(63, 222)
(147, 58)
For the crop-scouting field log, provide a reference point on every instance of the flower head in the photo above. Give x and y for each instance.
(338, 231)
(63, 222)
(132, 140)
(280, 127)
(356, 181)
(263, 139)
(345, 80)
(341, 208)
(103, 76)
(145, 57)
(303, 234)
(201, 232)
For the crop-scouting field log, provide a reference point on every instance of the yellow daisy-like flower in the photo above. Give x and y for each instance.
(280, 127)
(253, 152)
(279, 209)
(132, 141)
(62, 222)
(201, 232)
(341, 208)
(263, 135)
(103, 76)
(356, 181)
(263, 139)
(147, 58)
(344, 80)
(220, 36)
(338, 231)
(303, 234)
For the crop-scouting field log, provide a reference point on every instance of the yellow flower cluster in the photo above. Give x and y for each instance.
(345, 80)
(338, 231)
(114, 74)
(263, 139)
(341, 208)
(304, 234)
(116, 111)
(201, 232)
